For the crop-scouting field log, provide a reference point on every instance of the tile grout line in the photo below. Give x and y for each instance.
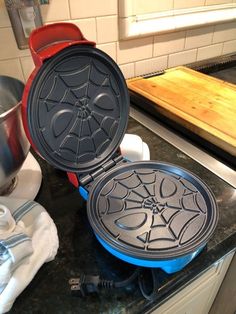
(116, 51)
(108, 15)
(93, 16)
(222, 48)
(96, 29)
(22, 70)
(153, 40)
(110, 42)
(168, 61)
(135, 68)
(5, 26)
(197, 53)
(223, 45)
(68, 1)
(185, 39)
(212, 35)
(10, 59)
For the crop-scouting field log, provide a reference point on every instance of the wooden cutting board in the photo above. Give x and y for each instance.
(202, 104)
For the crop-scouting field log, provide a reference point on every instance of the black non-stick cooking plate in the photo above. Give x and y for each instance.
(77, 109)
(153, 211)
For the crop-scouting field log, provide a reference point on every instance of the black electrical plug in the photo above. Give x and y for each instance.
(87, 284)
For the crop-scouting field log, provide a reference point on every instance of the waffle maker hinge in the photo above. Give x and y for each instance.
(86, 181)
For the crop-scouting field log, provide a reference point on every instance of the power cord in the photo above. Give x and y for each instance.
(87, 284)
(148, 283)
(90, 284)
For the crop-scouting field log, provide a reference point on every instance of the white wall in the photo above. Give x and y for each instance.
(98, 21)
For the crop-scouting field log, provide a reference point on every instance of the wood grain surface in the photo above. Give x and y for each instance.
(202, 104)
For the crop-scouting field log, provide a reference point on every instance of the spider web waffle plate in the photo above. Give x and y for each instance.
(153, 211)
(77, 109)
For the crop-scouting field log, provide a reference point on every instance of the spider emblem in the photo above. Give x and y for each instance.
(79, 110)
(153, 210)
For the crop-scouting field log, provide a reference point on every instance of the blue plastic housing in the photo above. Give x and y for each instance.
(83, 193)
(169, 266)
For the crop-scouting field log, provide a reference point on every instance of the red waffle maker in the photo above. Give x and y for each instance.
(75, 113)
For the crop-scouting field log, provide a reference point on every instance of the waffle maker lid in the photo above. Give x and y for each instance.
(77, 109)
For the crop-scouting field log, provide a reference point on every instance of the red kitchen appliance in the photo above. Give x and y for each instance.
(75, 111)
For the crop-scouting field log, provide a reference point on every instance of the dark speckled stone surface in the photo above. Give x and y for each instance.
(80, 251)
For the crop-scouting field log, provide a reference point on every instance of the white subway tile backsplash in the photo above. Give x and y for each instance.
(90, 8)
(144, 6)
(127, 70)
(110, 49)
(4, 18)
(9, 47)
(209, 52)
(57, 10)
(150, 65)
(183, 4)
(11, 68)
(107, 29)
(134, 50)
(199, 37)
(27, 66)
(224, 32)
(169, 43)
(87, 27)
(98, 22)
(229, 47)
(183, 57)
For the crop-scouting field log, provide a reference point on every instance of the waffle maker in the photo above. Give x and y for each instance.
(75, 113)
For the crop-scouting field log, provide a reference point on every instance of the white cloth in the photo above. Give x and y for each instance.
(31, 239)
(24, 249)
(133, 148)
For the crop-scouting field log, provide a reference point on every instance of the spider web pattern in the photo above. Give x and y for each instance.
(79, 111)
(152, 210)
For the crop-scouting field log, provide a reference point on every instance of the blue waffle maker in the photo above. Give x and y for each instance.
(146, 213)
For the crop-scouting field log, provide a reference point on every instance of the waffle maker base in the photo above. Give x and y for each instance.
(152, 214)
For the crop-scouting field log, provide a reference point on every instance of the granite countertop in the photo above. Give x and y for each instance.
(80, 251)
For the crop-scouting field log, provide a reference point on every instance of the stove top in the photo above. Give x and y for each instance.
(80, 252)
